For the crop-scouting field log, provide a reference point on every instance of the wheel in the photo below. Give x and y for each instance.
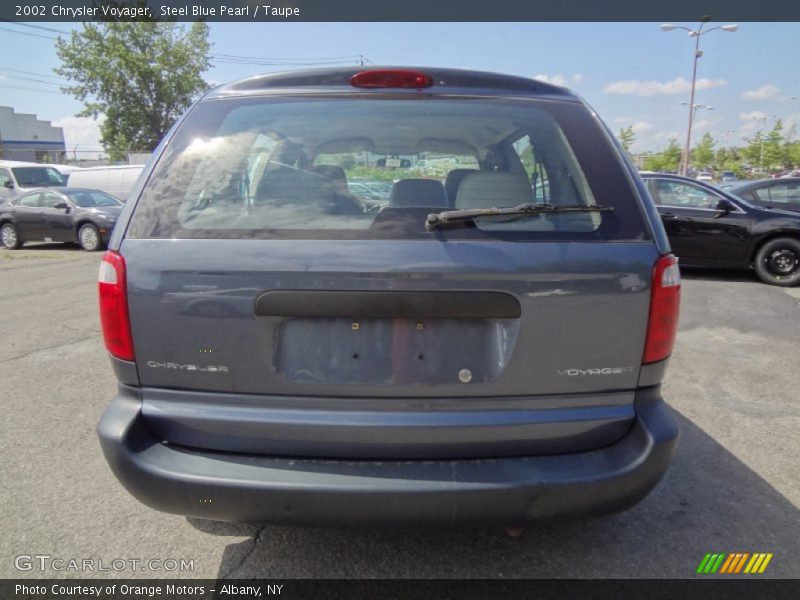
(9, 237)
(777, 262)
(89, 237)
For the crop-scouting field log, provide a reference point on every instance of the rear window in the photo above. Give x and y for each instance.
(784, 193)
(361, 168)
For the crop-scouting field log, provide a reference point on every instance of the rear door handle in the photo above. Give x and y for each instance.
(669, 216)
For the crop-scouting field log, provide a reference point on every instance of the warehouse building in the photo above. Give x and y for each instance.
(26, 138)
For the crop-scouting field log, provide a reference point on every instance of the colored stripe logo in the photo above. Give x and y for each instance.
(734, 563)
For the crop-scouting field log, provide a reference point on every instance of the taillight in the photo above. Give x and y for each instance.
(114, 318)
(391, 79)
(665, 298)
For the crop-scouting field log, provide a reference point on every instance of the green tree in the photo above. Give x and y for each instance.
(703, 153)
(791, 148)
(627, 137)
(753, 151)
(774, 146)
(668, 159)
(140, 76)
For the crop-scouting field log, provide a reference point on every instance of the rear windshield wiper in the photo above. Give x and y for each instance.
(457, 216)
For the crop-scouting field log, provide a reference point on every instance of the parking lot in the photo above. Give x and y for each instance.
(734, 486)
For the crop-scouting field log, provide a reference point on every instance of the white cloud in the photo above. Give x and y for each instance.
(642, 127)
(765, 92)
(81, 134)
(667, 135)
(756, 115)
(793, 119)
(554, 79)
(679, 85)
(577, 77)
(702, 124)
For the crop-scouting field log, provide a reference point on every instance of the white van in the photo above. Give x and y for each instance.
(116, 181)
(17, 177)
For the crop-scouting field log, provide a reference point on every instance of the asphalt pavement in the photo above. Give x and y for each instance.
(734, 383)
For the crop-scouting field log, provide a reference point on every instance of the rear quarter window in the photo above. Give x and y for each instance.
(373, 168)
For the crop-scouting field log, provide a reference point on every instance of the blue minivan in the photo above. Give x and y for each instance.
(483, 344)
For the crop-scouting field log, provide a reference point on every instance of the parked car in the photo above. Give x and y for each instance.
(708, 227)
(116, 180)
(727, 176)
(705, 176)
(59, 215)
(783, 193)
(473, 357)
(17, 178)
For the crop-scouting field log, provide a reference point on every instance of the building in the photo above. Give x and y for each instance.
(24, 137)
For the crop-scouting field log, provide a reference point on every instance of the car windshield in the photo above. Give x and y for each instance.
(86, 199)
(356, 168)
(38, 176)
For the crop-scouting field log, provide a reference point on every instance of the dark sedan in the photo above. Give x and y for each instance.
(782, 193)
(708, 227)
(60, 215)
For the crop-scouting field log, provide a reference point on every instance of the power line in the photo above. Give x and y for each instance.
(29, 73)
(28, 33)
(42, 81)
(27, 89)
(61, 31)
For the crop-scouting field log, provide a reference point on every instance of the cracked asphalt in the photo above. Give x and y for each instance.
(734, 486)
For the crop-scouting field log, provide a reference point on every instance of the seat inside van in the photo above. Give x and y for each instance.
(418, 192)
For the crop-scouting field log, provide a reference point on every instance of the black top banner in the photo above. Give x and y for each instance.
(397, 10)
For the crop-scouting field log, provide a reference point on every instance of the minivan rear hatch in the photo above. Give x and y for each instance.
(255, 270)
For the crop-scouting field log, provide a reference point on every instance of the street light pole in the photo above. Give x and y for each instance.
(696, 34)
(692, 115)
(697, 54)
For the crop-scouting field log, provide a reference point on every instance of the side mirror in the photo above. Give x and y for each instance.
(62, 205)
(9, 184)
(724, 206)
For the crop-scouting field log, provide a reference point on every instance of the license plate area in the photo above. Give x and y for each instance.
(393, 351)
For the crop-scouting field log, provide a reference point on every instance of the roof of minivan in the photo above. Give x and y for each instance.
(445, 80)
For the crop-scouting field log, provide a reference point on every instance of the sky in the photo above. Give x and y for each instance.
(631, 73)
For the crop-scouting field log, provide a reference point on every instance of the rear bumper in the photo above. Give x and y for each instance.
(496, 491)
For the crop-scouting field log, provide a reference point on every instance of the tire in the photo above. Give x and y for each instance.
(89, 238)
(9, 236)
(777, 262)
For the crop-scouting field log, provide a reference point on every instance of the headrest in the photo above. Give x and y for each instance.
(453, 181)
(493, 189)
(418, 192)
